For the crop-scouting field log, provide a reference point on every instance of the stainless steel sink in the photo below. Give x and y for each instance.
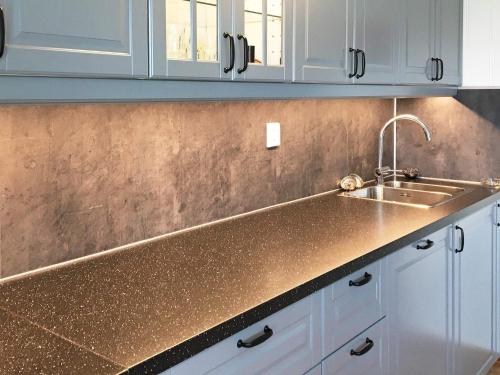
(453, 190)
(408, 193)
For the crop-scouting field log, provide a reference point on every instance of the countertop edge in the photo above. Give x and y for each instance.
(189, 348)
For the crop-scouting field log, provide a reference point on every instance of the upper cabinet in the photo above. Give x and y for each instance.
(376, 40)
(321, 41)
(481, 38)
(221, 39)
(382, 42)
(75, 38)
(263, 29)
(449, 41)
(418, 41)
(430, 46)
(191, 39)
(345, 41)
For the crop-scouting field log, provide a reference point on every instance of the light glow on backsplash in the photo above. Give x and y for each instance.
(466, 135)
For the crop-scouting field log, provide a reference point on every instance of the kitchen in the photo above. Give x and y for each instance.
(249, 186)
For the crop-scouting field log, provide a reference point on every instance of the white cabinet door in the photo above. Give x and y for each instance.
(448, 41)
(293, 348)
(188, 39)
(497, 277)
(481, 31)
(491, 48)
(323, 29)
(76, 38)
(474, 286)
(419, 314)
(265, 26)
(418, 41)
(376, 34)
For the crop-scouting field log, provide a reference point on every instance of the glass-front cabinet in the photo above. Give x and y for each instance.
(191, 39)
(221, 39)
(263, 39)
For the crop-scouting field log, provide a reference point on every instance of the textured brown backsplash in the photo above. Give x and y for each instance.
(79, 179)
(466, 135)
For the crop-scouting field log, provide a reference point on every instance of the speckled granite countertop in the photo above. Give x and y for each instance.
(146, 308)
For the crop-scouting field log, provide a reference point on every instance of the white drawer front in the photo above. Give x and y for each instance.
(373, 362)
(349, 309)
(294, 347)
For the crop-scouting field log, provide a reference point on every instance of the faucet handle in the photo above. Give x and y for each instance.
(380, 173)
(383, 171)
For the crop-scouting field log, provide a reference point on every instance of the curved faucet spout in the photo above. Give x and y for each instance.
(412, 118)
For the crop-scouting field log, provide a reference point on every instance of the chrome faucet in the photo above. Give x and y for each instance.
(381, 171)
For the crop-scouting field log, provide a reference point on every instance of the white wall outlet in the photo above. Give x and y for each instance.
(273, 131)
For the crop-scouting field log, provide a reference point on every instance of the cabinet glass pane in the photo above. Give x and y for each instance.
(206, 27)
(274, 32)
(178, 29)
(253, 29)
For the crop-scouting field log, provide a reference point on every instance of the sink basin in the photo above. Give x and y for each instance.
(453, 190)
(413, 197)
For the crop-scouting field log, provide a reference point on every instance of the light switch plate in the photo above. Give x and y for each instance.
(273, 131)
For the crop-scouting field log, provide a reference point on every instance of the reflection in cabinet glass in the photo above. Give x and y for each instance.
(178, 29)
(264, 30)
(206, 36)
(274, 32)
(180, 34)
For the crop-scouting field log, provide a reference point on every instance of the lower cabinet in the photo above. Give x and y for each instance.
(343, 318)
(474, 282)
(497, 276)
(431, 308)
(419, 312)
(293, 345)
(442, 304)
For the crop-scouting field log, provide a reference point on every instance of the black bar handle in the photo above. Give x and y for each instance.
(435, 64)
(2, 33)
(355, 59)
(363, 349)
(227, 69)
(256, 340)
(363, 63)
(441, 63)
(427, 246)
(462, 239)
(365, 279)
(245, 54)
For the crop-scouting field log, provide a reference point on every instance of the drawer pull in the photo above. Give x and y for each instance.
(427, 246)
(256, 340)
(365, 279)
(355, 59)
(2, 31)
(363, 349)
(462, 239)
(245, 54)
(227, 69)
